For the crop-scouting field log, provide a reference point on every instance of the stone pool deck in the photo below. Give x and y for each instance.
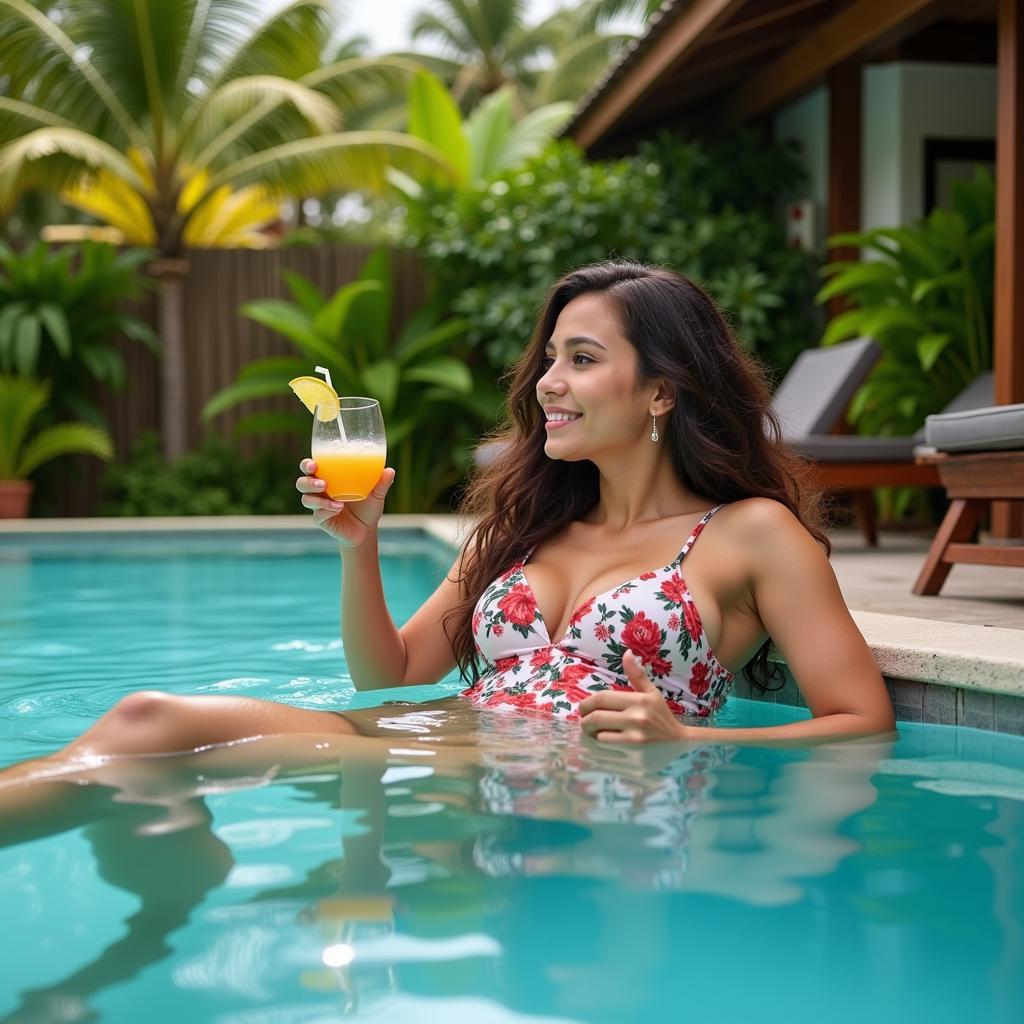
(955, 659)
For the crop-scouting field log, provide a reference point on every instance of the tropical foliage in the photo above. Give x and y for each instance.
(182, 113)
(491, 140)
(22, 399)
(431, 403)
(926, 297)
(495, 247)
(61, 311)
(215, 479)
(487, 45)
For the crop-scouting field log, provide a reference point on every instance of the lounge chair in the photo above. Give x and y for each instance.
(979, 456)
(858, 464)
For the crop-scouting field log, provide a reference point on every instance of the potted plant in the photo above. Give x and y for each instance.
(21, 400)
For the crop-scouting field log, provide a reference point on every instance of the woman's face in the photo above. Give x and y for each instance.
(589, 392)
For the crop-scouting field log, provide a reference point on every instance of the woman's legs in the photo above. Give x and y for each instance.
(151, 722)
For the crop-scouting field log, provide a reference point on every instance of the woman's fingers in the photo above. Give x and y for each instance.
(614, 700)
(309, 485)
(597, 721)
(315, 502)
(629, 736)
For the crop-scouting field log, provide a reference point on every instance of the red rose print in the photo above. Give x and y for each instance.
(583, 610)
(478, 617)
(642, 636)
(576, 693)
(699, 681)
(673, 621)
(660, 667)
(518, 605)
(541, 658)
(507, 664)
(519, 700)
(692, 620)
(648, 576)
(674, 589)
(602, 632)
(497, 629)
(573, 674)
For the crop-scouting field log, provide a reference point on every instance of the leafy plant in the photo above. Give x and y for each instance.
(21, 401)
(213, 480)
(187, 105)
(60, 313)
(492, 139)
(926, 298)
(495, 247)
(431, 404)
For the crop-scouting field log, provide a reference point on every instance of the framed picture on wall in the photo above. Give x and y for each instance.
(949, 160)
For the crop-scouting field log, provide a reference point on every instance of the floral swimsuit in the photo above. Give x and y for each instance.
(652, 615)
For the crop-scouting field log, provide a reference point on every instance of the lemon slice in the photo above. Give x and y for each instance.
(313, 392)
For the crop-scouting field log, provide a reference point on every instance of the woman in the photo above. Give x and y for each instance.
(638, 425)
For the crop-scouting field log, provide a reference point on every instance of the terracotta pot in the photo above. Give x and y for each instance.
(15, 496)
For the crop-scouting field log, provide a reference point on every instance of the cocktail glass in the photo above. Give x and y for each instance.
(350, 450)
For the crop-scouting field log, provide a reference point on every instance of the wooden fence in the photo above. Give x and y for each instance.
(219, 341)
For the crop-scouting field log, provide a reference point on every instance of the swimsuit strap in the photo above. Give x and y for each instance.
(695, 532)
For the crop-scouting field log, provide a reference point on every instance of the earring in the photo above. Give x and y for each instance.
(654, 427)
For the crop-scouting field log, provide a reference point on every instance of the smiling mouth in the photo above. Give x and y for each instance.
(559, 420)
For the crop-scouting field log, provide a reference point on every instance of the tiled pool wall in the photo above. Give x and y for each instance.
(913, 701)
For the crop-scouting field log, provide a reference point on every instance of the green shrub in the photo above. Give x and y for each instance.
(213, 480)
(708, 211)
(927, 299)
(61, 311)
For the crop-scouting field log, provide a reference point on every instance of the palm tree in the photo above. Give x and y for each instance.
(487, 45)
(187, 105)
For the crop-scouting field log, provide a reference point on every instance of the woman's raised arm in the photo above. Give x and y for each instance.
(379, 655)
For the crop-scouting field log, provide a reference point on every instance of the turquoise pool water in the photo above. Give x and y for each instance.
(532, 881)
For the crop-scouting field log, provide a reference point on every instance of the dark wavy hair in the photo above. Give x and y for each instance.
(725, 441)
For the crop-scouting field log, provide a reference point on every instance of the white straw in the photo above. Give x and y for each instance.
(327, 377)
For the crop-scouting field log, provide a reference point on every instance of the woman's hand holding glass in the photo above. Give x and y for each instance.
(350, 523)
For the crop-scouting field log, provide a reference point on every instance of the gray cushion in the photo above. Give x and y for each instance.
(820, 384)
(851, 448)
(998, 427)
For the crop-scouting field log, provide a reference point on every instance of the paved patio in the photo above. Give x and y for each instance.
(879, 580)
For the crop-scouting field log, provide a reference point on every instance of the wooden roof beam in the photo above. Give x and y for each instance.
(840, 37)
(690, 31)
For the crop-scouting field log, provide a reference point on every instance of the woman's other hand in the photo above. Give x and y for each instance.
(617, 716)
(350, 523)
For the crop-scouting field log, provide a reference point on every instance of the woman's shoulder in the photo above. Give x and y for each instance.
(760, 520)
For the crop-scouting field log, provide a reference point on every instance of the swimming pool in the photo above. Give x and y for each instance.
(536, 881)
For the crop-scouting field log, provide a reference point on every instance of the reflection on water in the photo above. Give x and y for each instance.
(488, 860)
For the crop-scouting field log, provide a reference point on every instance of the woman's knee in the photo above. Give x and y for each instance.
(143, 706)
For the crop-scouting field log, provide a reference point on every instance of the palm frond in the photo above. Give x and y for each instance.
(63, 439)
(56, 157)
(330, 163)
(288, 42)
(232, 219)
(209, 119)
(214, 29)
(21, 400)
(17, 117)
(450, 34)
(113, 201)
(354, 82)
(579, 65)
(29, 35)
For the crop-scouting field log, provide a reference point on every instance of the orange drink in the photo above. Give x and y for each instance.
(350, 470)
